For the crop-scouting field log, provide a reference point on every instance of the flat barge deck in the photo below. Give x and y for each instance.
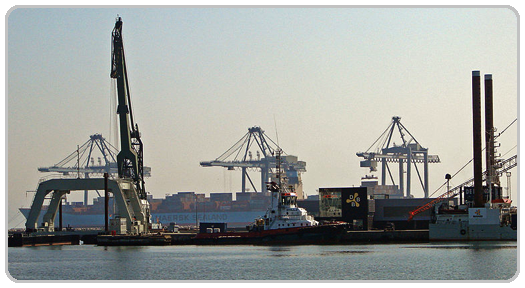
(347, 238)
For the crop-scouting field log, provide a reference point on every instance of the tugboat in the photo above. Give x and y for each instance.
(283, 223)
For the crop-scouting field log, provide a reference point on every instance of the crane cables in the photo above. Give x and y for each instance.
(470, 161)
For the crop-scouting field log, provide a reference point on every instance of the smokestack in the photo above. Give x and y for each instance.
(476, 127)
(489, 129)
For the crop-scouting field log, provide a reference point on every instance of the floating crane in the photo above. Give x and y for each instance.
(240, 156)
(409, 151)
(130, 159)
(128, 188)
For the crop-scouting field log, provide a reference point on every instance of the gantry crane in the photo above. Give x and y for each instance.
(409, 151)
(81, 162)
(240, 156)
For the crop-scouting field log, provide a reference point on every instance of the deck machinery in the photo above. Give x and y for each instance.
(128, 188)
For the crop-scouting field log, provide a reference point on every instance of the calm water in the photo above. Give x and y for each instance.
(428, 261)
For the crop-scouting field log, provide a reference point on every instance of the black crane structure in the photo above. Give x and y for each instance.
(241, 156)
(409, 151)
(130, 159)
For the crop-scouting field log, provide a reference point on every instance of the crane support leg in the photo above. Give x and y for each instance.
(265, 173)
(243, 180)
(383, 171)
(51, 213)
(409, 171)
(122, 197)
(401, 181)
(425, 174)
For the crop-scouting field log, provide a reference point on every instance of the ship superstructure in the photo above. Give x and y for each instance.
(283, 212)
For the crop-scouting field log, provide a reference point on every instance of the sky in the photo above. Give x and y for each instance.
(327, 81)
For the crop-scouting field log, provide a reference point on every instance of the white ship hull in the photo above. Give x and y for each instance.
(474, 226)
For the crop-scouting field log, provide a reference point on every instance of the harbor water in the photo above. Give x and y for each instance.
(420, 261)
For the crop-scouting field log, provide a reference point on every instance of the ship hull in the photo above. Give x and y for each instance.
(233, 218)
(322, 234)
(465, 232)
(479, 224)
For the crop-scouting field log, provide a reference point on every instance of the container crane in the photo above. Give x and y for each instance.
(82, 159)
(240, 156)
(410, 152)
(81, 162)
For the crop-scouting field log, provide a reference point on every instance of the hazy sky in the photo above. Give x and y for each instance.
(329, 79)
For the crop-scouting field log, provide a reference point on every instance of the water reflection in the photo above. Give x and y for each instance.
(280, 251)
(474, 245)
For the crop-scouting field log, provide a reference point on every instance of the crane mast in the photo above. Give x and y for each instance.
(130, 158)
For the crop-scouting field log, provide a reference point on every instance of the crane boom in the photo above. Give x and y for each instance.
(130, 158)
(504, 166)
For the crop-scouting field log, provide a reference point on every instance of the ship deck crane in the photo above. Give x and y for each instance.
(409, 151)
(240, 156)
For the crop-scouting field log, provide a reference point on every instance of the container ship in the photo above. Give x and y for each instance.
(183, 208)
